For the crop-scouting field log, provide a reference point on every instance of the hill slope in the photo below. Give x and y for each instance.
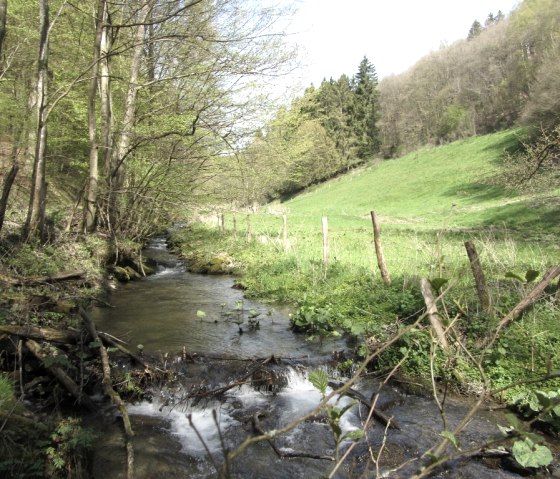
(443, 187)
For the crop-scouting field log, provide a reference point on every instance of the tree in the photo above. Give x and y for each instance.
(365, 110)
(3, 16)
(35, 221)
(475, 30)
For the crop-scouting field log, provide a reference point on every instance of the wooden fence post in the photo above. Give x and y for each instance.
(249, 233)
(285, 230)
(222, 223)
(479, 278)
(379, 251)
(234, 225)
(325, 240)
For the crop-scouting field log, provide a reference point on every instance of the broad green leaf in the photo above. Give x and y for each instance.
(529, 454)
(513, 421)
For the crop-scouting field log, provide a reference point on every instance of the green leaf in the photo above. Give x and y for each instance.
(451, 437)
(319, 379)
(529, 454)
(95, 344)
(200, 314)
(531, 275)
(513, 421)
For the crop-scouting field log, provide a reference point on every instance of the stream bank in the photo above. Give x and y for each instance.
(209, 352)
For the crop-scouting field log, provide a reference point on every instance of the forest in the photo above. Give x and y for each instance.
(125, 122)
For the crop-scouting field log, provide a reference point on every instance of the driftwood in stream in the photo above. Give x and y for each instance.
(60, 375)
(238, 382)
(285, 454)
(382, 418)
(41, 334)
(106, 338)
(37, 280)
(111, 393)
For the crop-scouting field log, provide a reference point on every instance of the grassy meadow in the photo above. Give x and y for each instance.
(428, 203)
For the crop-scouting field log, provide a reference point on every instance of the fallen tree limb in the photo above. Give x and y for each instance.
(382, 418)
(41, 334)
(285, 454)
(37, 280)
(433, 315)
(60, 375)
(107, 338)
(238, 382)
(527, 301)
(111, 393)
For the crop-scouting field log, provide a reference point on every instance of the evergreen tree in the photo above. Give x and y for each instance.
(475, 30)
(365, 110)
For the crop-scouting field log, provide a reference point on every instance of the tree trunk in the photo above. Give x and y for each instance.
(8, 183)
(34, 224)
(118, 172)
(90, 214)
(3, 15)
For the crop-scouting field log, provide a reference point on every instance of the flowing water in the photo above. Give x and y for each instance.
(174, 311)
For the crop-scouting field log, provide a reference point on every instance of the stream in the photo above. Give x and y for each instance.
(224, 336)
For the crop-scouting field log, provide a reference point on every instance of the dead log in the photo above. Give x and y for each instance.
(111, 393)
(285, 454)
(60, 375)
(382, 418)
(528, 300)
(106, 338)
(38, 280)
(41, 334)
(432, 312)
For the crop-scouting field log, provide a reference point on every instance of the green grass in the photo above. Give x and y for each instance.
(429, 202)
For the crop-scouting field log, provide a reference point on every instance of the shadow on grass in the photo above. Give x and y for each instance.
(475, 192)
(535, 218)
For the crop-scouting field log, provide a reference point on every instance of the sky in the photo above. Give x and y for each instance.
(334, 35)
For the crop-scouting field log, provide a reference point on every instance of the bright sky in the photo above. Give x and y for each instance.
(334, 35)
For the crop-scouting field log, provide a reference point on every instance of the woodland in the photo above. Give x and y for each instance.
(121, 119)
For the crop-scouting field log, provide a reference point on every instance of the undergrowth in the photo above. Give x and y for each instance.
(351, 299)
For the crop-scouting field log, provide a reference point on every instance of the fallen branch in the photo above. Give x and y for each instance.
(433, 315)
(60, 375)
(527, 301)
(37, 280)
(382, 418)
(107, 338)
(41, 334)
(111, 393)
(238, 382)
(285, 454)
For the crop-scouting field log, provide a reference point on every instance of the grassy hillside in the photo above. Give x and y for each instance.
(429, 203)
(445, 187)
